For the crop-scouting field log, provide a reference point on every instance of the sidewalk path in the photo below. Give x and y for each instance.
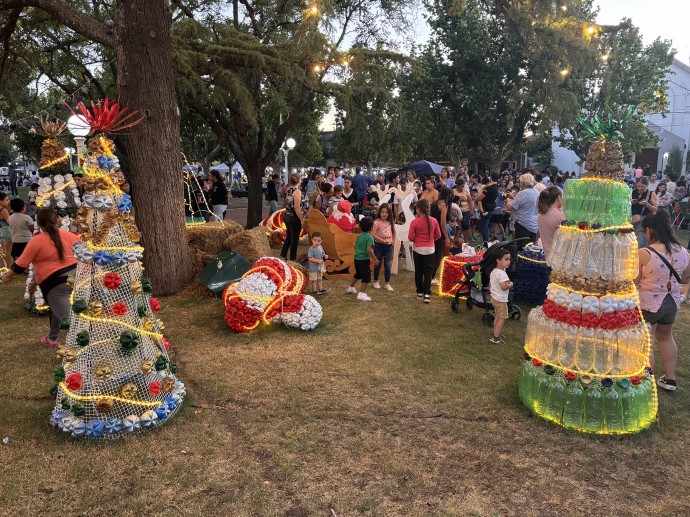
(238, 210)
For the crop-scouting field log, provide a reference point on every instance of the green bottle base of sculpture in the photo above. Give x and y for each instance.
(589, 404)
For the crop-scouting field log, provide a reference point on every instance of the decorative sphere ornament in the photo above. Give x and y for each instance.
(146, 366)
(168, 384)
(104, 404)
(95, 308)
(103, 372)
(129, 390)
(131, 423)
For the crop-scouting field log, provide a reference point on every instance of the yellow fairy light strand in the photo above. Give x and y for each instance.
(96, 319)
(594, 230)
(528, 259)
(63, 159)
(93, 247)
(105, 147)
(75, 396)
(52, 193)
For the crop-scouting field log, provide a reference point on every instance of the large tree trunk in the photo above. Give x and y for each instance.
(146, 83)
(255, 202)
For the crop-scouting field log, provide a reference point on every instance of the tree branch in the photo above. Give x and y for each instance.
(64, 13)
(252, 16)
(6, 34)
(221, 132)
(186, 10)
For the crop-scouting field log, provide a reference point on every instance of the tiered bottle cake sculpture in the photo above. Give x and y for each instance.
(587, 348)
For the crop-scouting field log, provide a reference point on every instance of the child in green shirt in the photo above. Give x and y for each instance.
(364, 254)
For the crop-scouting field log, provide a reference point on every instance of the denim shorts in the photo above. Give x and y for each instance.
(666, 313)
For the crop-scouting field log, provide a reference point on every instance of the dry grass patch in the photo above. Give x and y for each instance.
(388, 408)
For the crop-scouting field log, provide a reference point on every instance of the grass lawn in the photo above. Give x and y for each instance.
(390, 408)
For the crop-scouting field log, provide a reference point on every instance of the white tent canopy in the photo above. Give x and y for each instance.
(237, 167)
(222, 168)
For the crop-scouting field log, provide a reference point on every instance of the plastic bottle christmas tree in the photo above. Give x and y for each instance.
(587, 348)
(116, 376)
(56, 190)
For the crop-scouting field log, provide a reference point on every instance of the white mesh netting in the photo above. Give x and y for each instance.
(59, 193)
(116, 376)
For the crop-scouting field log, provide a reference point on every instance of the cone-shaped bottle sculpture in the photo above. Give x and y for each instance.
(587, 348)
(116, 377)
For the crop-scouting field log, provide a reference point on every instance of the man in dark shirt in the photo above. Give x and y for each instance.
(488, 197)
(272, 194)
(360, 184)
(12, 177)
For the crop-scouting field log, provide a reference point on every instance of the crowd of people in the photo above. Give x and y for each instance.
(451, 212)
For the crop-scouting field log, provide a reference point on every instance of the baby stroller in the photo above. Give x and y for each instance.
(480, 295)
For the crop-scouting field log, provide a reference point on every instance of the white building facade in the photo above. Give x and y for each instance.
(674, 127)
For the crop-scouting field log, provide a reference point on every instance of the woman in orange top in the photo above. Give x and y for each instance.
(51, 254)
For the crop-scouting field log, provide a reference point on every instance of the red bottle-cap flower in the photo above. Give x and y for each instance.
(112, 281)
(74, 382)
(155, 304)
(155, 388)
(119, 308)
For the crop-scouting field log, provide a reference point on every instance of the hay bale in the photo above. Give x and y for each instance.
(197, 261)
(299, 267)
(251, 244)
(277, 238)
(209, 237)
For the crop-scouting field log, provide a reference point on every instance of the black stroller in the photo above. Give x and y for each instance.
(480, 295)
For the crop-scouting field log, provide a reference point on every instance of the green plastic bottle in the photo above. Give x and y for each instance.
(613, 408)
(574, 405)
(645, 401)
(631, 418)
(542, 389)
(554, 406)
(594, 409)
(530, 384)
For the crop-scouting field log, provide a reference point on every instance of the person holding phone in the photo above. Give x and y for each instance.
(644, 202)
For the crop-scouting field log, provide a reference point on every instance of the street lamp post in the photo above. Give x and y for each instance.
(70, 151)
(79, 127)
(288, 146)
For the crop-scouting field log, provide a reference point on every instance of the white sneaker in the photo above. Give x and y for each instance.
(434, 282)
(389, 288)
(363, 297)
(350, 290)
(376, 285)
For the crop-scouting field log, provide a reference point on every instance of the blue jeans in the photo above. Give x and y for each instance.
(483, 225)
(384, 254)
